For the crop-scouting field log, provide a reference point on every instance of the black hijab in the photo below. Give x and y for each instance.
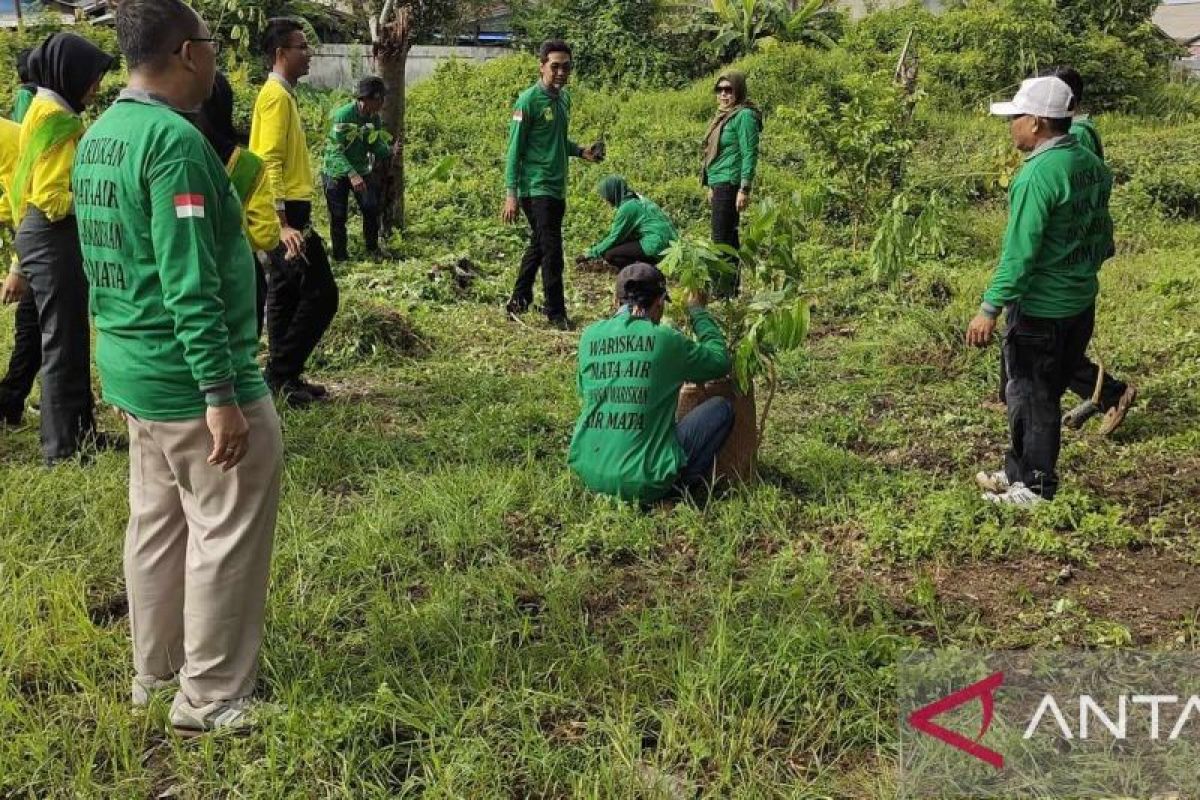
(23, 69)
(68, 65)
(215, 119)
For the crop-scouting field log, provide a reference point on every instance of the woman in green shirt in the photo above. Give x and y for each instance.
(731, 158)
(640, 229)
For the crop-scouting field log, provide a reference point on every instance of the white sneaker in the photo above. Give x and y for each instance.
(190, 720)
(146, 686)
(1018, 495)
(993, 482)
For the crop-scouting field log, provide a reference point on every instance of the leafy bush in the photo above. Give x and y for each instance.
(616, 42)
(980, 49)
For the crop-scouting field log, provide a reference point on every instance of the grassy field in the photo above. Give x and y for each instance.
(452, 616)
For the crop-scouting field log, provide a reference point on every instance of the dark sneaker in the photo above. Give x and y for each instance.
(315, 389)
(102, 442)
(11, 415)
(293, 393)
(516, 307)
(1116, 415)
(561, 322)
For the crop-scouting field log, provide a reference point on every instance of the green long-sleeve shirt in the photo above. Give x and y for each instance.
(737, 155)
(1084, 131)
(641, 219)
(171, 277)
(538, 144)
(1059, 233)
(348, 148)
(630, 373)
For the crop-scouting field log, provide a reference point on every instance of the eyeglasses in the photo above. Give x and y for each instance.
(565, 66)
(212, 40)
(724, 90)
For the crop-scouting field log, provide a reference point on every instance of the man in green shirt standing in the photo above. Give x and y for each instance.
(172, 291)
(357, 148)
(536, 180)
(1059, 233)
(631, 368)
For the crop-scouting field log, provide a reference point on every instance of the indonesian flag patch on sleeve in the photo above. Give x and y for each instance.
(518, 116)
(189, 205)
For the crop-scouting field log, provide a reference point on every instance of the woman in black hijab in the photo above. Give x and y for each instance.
(248, 175)
(71, 67)
(67, 69)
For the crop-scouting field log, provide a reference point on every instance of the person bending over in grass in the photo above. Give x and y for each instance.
(640, 230)
(248, 174)
(631, 368)
(172, 292)
(356, 151)
(1059, 233)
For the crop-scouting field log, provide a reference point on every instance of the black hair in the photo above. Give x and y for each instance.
(150, 30)
(277, 33)
(1071, 77)
(23, 65)
(553, 46)
(1059, 126)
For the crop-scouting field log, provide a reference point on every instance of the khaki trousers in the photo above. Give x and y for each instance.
(198, 552)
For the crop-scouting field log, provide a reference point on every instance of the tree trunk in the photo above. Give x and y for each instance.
(391, 55)
(391, 69)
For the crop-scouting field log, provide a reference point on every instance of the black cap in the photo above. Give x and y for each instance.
(369, 87)
(641, 283)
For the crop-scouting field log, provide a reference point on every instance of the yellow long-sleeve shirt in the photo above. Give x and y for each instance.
(10, 149)
(259, 217)
(277, 137)
(50, 183)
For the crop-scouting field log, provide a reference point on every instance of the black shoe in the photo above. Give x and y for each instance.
(315, 389)
(516, 307)
(340, 257)
(11, 415)
(102, 442)
(293, 393)
(561, 322)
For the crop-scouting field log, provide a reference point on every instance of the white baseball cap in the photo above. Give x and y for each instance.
(1047, 97)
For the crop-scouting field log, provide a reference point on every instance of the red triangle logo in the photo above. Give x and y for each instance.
(922, 719)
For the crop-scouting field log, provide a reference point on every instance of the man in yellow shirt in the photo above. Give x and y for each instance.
(302, 297)
(67, 69)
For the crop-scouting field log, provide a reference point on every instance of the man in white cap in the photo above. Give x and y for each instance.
(1059, 233)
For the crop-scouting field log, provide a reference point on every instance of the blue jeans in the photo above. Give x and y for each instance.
(701, 434)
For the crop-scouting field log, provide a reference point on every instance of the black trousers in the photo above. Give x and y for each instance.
(1083, 384)
(725, 222)
(626, 253)
(50, 254)
(545, 251)
(337, 197)
(302, 299)
(1042, 356)
(24, 362)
